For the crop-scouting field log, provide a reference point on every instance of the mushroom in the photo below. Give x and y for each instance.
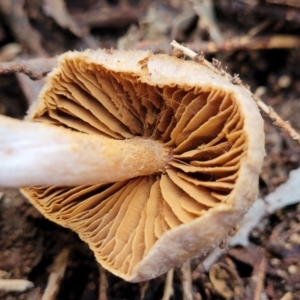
(151, 159)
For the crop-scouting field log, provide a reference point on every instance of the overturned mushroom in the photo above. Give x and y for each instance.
(192, 141)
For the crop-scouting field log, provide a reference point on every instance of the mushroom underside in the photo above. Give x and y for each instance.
(206, 130)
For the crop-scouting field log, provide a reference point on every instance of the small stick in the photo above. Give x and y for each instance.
(15, 285)
(186, 279)
(197, 296)
(205, 11)
(14, 14)
(144, 287)
(261, 105)
(278, 121)
(284, 41)
(35, 69)
(287, 296)
(168, 290)
(58, 270)
(199, 58)
(258, 278)
(292, 3)
(103, 283)
(191, 54)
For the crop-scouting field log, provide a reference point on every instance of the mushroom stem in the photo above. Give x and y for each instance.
(41, 154)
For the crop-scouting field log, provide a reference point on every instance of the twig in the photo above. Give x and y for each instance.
(57, 9)
(15, 285)
(257, 278)
(108, 17)
(186, 279)
(168, 290)
(58, 270)
(259, 28)
(9, 51)
(293, 3)
(250, 43)
(205, 11)
(263, 10)
(277, 119)
(216, 67)
(247, 42)
(30, 88)
(197, 296)
(144, 287)
(36, 68)
(14, 13)
(103, 283)
(287, 296)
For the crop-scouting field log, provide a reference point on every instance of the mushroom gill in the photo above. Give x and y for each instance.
(211, 128)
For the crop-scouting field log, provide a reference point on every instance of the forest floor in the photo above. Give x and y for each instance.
(259, 40)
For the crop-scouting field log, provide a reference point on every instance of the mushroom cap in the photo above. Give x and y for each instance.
(141, 227)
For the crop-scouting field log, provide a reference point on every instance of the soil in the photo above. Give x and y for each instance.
(269, 268)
